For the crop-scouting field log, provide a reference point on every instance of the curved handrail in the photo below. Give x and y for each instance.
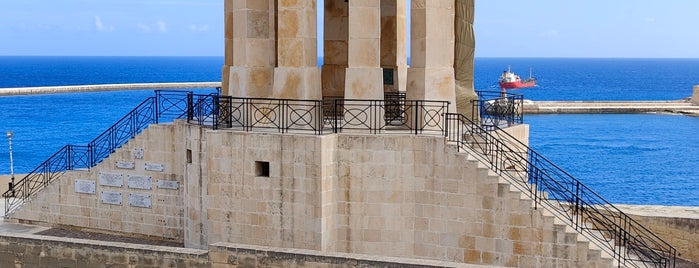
(552, 188)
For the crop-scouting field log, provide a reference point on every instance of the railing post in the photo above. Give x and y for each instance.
(190, 106)
(156, 103)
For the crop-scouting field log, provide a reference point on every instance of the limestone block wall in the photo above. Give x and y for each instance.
(25, 250)
(136, 190)
(390, 195)
(261, 189)
(695, 95)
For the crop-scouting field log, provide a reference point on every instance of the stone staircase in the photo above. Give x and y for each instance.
(570, 226)
(560, 245)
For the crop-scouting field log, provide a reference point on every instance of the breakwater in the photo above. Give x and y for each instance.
(104, 87)
(618, 107)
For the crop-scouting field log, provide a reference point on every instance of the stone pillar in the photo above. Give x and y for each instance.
(252, 52)
(364, 76)
(431, 73)
(695, 95)
(394, 43)
(228, 46)
(335, 45)
(465, 47)
(297, 75)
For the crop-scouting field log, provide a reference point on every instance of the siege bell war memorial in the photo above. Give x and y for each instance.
(365, 161)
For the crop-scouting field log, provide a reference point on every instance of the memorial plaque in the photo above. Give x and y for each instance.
(125, 165)
(139, 200)
(112, 198)
(171, 185)
(155, 167)
(138, 153)
(111, 179)
(85, 186)
(140, 182)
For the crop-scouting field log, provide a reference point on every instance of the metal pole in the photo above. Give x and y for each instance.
(9, 136)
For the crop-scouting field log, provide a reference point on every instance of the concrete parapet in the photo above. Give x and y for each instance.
(678, 226)
(104, 87)
(609, 107)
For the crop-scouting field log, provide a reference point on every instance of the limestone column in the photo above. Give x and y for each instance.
(228, 46)
(431, 72)
(297, 75)
(364, 76)
(394, 44)
(335, 45)
(464, 53)
(250, 46)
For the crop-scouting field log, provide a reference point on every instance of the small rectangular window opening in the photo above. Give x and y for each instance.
(189, 156)
(261, 169)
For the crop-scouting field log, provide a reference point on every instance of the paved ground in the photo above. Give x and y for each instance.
(60, 232)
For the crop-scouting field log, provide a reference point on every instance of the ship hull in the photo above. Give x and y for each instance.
(518, 84)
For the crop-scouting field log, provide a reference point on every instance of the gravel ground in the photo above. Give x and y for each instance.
(60, 232)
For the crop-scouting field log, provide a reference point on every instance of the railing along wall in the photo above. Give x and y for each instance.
(629, 242)
(331, 115)
(498, 108)
(165, 106)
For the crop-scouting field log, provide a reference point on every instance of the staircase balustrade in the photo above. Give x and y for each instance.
(553, 189)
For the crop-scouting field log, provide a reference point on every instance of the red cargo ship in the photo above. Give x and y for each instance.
(509, 80)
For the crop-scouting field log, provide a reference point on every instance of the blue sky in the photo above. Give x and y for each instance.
(504, 28)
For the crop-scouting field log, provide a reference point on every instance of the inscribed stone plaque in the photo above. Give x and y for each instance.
(111, 179)
(125, 165)
(138, 153)
(139, 200)
(140, 182)
(155, 167)
(112, 198)
(172, 185)
(85, 186)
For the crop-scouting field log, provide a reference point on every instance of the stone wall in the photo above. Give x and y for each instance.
(695, 95)
(678, 226)
(136, 190)
(401, 196)
(23, 250)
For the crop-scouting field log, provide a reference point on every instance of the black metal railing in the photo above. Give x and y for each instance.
(165, 106)
(498, 108)
(630, 243)
(331, 115)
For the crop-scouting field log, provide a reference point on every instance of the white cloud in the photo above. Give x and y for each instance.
(198, 28)
(144, 28)
(549, 33)
(161, 26)
(99, 25)
(158, 26)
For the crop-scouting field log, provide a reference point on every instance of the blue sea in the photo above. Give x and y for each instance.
(630, 159)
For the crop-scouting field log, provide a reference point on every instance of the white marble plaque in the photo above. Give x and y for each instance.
(155, 167)
(140, 182)
(125, 165)
(139, 200)
(85, 186)
(172, 185)
(112, 198)
(138, 153)
(111, 179)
